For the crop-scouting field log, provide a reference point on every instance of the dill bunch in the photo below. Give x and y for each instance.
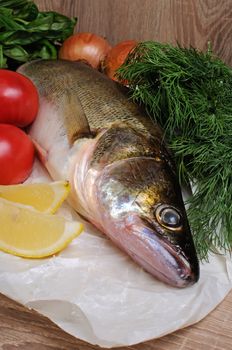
(189, 93)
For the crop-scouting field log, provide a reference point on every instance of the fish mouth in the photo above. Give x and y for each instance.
(162, 259)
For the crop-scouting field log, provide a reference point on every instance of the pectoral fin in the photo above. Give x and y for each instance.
(75, 120)
(42, 154)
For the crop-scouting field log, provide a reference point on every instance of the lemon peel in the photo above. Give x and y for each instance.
(45, 197)
(28, 233)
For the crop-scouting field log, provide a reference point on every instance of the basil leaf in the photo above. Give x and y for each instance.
(21, 38)
(28, 13)
(26, 33)
(13, 3)
(44, 50)
(62, 26)
(5, 35)
(18, 53)
(7, 21)
(41, 23)
(3, 63)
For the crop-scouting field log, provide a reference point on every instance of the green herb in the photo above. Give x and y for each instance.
(189, 93)
(27, 34)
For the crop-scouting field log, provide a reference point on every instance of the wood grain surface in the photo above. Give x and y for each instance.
(188, 22)
(24, 329)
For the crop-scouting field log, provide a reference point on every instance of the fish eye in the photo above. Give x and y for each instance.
(169, 217)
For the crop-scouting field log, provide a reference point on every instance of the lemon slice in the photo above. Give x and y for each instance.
(28, 233)
(45, 197)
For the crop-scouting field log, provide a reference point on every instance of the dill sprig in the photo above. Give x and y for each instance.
(189, 93)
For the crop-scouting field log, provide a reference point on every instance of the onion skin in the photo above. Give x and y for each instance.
(87, 47)
(116, 57)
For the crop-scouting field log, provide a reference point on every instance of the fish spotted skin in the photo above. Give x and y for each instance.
(122, 175)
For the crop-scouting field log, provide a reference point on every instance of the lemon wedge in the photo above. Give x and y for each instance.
(45, 197)
(31, 234)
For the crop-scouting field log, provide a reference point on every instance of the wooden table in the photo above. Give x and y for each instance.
(23, 329)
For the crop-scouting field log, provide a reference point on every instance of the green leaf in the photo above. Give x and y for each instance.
(41, 23)
(26, 33)
(3, 63)
(5, 35)
(13, 4)
(63, 26)
(42, 49)
(7, 22)
(20, 38)
(27, 13)
(18, 53)
(44, 52)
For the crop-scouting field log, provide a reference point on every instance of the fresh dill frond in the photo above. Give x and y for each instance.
(189, 93)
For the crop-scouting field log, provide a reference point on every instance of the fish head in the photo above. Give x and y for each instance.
(142, 211)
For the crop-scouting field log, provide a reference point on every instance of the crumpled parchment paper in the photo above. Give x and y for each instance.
(96, 293)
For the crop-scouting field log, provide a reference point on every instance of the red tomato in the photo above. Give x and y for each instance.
(19, 99)
(16, 155)
(87, 47)
(117, 56)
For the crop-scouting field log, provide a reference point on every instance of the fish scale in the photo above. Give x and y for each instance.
(122, 175)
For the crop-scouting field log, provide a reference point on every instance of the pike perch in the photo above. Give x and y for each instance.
(122, 175)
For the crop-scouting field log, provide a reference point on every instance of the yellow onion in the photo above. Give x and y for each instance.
(87, 47)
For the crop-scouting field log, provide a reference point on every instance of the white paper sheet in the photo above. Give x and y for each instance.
(96, 293)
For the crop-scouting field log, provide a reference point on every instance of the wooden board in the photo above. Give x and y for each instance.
(189, 22)
(22, 329)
